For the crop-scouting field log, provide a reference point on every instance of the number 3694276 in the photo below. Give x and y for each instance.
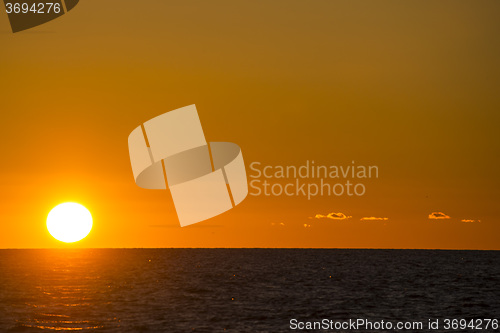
(36, 8)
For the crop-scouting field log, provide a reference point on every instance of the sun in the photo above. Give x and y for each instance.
(69, 222)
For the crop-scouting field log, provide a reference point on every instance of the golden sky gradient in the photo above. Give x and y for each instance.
(411, 87)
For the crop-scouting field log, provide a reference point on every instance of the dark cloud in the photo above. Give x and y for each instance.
(333, 216)
(470, 221)
(372, 218)
(438, 216)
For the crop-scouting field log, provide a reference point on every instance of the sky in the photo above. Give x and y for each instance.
(410, 87)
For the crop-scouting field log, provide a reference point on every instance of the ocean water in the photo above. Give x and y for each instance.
(242, 290)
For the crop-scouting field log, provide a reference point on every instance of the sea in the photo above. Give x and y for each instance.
(249, 290)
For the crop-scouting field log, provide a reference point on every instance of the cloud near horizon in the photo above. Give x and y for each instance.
(470, 221)
(372, 218)
(333, 216)
(438, 216)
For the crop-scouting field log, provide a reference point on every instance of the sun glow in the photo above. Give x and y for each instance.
(69, 222)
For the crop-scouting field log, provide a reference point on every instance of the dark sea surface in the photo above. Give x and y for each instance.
(242, 290)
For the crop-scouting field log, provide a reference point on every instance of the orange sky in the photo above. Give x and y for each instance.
(408, 86)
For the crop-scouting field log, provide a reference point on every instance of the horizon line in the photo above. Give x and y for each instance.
(241, 248)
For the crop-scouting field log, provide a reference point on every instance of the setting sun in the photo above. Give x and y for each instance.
(69, 222)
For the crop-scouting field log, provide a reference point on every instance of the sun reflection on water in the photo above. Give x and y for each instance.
(63, 293)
